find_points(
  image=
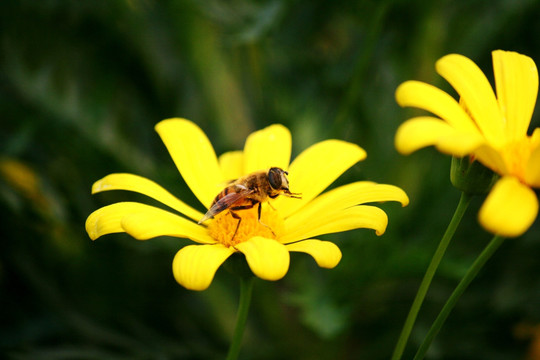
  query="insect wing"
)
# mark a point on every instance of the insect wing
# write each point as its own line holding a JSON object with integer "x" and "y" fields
{"x": 223, "y": 204}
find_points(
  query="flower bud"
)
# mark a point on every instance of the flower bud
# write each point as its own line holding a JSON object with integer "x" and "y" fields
{"x": 470, "y": 176}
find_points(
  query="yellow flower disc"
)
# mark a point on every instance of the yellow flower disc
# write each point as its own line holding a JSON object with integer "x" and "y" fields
{"x": 223, "y": 227}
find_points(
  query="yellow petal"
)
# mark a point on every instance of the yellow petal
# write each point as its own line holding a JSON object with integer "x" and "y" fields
{"x": 107, "y": 220}
{"x": 362, "y": 216}
{"x": 266, "y": 148}
{"x": 459, "y": 144}
{"x": 148, "y": 222}
{"x": 326, "y": 254}
{"x": 194, "y": 157}
{"x": 142, "y": 222}
{"x": 509, "y": 209}
{"x": 420, "y": 132}
{"x": 424, "y": 131}
{"x": 516, "y": 79}
{"x": 476, "y": 92}
{"x": 267, "y": 258}
{"x": 344, "y": 197}
{"x": 194, "y": 266}
{"x": 428, "y": 97}
{"x": 316, "y": 168}
{"x": 232, "y": 165}
{"x": 130, "y": 182}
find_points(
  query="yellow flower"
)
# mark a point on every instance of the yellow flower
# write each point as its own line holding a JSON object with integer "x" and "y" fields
{"x": 289, "y": 224}
{"x": 490, "y": 128}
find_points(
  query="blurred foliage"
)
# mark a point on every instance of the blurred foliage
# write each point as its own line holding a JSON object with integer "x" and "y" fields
{"x": 82, "y": 83}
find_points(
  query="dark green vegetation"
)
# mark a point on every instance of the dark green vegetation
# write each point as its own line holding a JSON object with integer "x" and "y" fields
{"x": 82, "y": 83}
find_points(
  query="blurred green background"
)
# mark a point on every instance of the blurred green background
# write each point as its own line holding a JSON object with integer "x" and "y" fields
{"x": 82, "y": 84}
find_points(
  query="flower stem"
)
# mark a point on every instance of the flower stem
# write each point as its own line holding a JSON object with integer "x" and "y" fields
{"x": 430, "y": 272}
{"x": 486, "y": 254}
{"x": 246, "y": 289}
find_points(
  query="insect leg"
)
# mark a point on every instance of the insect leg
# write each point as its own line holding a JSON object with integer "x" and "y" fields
{"x": 259, "y": 218}
{"x": 236, "y": 216}
{"x": 273, "y": 208}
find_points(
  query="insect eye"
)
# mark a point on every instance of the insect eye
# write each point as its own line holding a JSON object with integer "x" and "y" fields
{"x": 274, "y": 178}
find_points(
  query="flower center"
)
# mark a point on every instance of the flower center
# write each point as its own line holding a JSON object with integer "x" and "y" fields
{"x": 224, "y": 225}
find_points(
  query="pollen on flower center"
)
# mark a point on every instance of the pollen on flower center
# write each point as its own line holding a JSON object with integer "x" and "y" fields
{"x": 223, "y": 226}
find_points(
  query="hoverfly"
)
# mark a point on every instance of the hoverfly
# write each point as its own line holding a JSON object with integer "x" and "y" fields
{"x": 249, "y": 191}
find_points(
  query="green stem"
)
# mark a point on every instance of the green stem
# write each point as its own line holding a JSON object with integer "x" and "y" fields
{"x": 430, "y": 272}
{"x": 486, "y": 254}
{"x": 246, "y": 289}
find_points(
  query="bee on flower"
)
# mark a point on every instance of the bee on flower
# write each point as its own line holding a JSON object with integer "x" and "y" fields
{"x": 250, "y": 208}
{"x": 250, "y": 191}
